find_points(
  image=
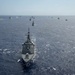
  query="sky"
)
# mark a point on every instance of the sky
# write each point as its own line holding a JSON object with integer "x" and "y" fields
{"x": 37, "y": 7}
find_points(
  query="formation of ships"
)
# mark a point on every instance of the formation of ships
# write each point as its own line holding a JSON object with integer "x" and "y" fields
{"x": 28, "y": 46}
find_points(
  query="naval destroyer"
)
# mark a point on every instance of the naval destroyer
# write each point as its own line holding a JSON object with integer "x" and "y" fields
{"x": 28, "y": 49}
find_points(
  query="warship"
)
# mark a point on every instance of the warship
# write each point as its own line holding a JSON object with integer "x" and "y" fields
{"x": 33, "y": 23}
{"x": 28, "y": 49}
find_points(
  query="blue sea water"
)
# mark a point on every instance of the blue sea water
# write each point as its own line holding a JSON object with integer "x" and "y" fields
{"x": 55, "y": 45}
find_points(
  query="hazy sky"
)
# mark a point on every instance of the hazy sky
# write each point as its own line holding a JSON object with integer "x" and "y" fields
{"x": 37, "y": 7}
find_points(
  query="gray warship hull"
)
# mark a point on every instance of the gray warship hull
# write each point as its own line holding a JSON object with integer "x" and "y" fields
{"x": 28, "y": 49}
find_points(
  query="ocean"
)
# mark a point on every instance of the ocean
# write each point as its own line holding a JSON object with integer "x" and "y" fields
{"x": 54, "y": 38}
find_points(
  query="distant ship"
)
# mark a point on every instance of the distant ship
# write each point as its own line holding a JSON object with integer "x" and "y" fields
{"x": 32, "y": 23}
{"x": 66, "y": 20}
{"x": 58, "y": 18}
{"x": 28, "y": 49}
{"x": 30, "y": 19}
{"x": 10, "y": 17}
